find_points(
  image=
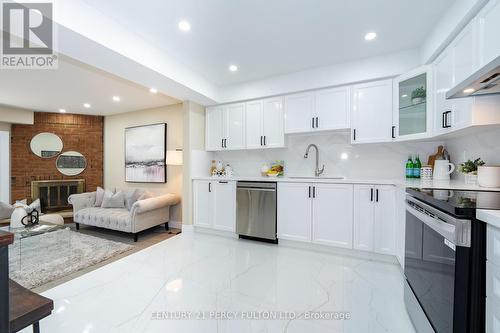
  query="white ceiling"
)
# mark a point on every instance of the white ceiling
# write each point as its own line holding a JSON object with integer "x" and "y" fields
{"x": 72, "y": 85}
{"x": 271, "y": 37}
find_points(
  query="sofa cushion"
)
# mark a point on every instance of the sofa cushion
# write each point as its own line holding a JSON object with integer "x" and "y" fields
{"x": 131, "y": 196}
{"x": 116, "y": 200}
{"x": 110, "y": 218}
{"x": 99, "y": 195}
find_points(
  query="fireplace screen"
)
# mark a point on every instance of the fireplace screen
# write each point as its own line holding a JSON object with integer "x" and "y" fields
{"x": 53, "y": 194}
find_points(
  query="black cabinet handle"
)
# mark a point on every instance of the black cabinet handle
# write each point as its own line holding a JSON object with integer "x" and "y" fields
{"x": 314, "y": 191}
{"x": 222, "y": 182}
{"x": 446, "y": 124}
{"x": 354, "y": 134}
{"x": 265, "y": 144}
{"x": 209, "y": 187}
{"x": 317, "y": 122}
{"x": 312, "y": 119}
{"x": 222, "y": 143}
{"x": 309, "y": 191}
{"x": 371, "y": 194}
{"x": 261, "y": 140}
{"x": 376, "y": 196}
{"x": 393, "y": 132}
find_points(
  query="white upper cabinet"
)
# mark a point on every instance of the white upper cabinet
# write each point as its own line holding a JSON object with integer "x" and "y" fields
{"x": 225, "y": 127}
{"x": 489, "y": 28}
{"x": 320, "y": 110}
{"x": 443, "y": 81}
{"x": 272, "y": 123}
{"x": 413, "y": 105}
{"x": 371, "y": 116}
{"x": 214, "y": 129}
{"x": 332, "y": 109}
{"x": 332, "y": 214}
{"x": 299, "y": 110}
{"x": 235, "y": 126}
{"x": 254, "y": 120}
{"x": 465, "y": 53}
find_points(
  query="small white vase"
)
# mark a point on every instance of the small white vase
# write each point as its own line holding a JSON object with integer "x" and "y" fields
{"x": 470, "y": 179}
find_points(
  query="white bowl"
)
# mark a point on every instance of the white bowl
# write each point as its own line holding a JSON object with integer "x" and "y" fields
{"x": 488, "y": 176}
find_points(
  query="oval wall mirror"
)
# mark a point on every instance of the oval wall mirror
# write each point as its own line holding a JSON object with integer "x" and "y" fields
{"x": 71, "y": 163}
{"x": 46, "y": 145}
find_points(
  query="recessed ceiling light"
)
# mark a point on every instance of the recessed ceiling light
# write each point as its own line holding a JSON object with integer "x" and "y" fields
{"x": 86, "y": 105}
{"x": 233, "y": 68}
{"x": 468, "y": 90}
{"x": 184, "y": 26}
{"x": 116, "y": 98}
{"x": 370, "y": 36}
{"x": 62, "y": 110}
{"x": 153, "y": 90}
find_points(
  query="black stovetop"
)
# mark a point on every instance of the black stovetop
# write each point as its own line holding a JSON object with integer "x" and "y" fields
{"x": 459, "y": 203}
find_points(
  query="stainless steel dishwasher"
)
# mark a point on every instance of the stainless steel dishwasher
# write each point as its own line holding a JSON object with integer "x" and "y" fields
{"x": 256, "y": 211}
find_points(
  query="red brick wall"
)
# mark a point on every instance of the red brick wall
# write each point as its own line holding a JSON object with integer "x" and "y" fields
{"x": 79, "y": 133}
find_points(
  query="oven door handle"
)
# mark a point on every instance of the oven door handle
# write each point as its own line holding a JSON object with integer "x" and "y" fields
{"x": 456, "y": 231}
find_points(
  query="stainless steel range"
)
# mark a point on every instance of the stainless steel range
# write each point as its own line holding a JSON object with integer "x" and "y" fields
{"x": 445, "y": 261}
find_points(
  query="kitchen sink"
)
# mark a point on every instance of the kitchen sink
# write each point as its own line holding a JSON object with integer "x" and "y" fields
{"x": 313, "y": 177}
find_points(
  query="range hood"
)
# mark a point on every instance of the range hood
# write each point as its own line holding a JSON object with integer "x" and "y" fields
{"x": 485, "y": 81}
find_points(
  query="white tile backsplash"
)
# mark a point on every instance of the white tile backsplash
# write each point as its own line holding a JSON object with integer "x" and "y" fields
{"x": 484, "y": 142}
{"x": 340, "y": 157}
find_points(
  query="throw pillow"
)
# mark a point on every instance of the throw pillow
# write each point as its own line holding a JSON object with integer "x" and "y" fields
{"x": 131, "y": 197}
{"x": 99, "y": 195}
{"x": 145, "y": 195}
{"x": 5, "y": 210}
{"x": 116, "y": 200}
{"x": 34, "y": 205}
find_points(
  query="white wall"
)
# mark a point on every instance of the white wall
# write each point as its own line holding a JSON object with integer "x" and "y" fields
{"x": 340, "y": 74}
{"x": 114, "y": 157}
{"x": 11, "y": 115}
{"x": 382, "y": 161}
{"x": 4, "y": 163}
{"x": 194, "y": 140}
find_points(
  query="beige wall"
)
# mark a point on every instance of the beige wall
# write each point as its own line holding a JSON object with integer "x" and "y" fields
{"x": 114, "y": 157}
{"x": 194, "y": 139}
{"x": 16, "y": 116}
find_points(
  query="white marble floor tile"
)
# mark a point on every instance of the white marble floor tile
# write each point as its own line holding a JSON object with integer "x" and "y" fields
{"x": 207, "y": 283}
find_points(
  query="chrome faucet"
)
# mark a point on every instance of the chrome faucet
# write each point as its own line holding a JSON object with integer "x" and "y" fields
{"x": 318, "y": 171}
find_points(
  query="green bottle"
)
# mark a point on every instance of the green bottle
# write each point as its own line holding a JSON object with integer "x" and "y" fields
{"x": 409, "y": 168}
{"x": 416, "y": 168}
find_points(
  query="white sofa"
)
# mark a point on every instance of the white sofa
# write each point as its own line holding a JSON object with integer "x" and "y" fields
{"x": 143, "y": 214}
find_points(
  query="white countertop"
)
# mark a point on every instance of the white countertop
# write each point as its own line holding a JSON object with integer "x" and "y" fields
{"x": 404, "y": 183}
{"x": 489, "y": 216}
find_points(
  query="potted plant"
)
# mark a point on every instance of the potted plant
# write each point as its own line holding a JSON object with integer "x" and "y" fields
{"x": 418, "y": 95}
{"x": 469, "y": 168}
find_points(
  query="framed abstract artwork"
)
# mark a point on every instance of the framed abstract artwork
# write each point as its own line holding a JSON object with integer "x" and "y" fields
{"x": 145, "y": 154}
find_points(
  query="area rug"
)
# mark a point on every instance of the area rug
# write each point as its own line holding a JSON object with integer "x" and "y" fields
{"x": 48, "y": 257}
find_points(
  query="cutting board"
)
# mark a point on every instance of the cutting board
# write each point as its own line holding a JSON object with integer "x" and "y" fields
{"x": 432, "y": 158}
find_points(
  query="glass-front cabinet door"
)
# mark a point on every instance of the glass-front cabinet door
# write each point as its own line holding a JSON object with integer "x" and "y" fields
{"x": 412, "y": 105}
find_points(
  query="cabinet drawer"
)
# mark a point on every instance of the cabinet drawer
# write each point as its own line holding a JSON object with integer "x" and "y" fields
{"x": 492, "y": 316}
{"x": 493, "y": 245}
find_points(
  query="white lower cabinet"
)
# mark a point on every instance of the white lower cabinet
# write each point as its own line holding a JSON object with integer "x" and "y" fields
{"x": 332, "y": 214}
{"x": 214, "y": 204}
{"x": 374, "y": 218}
{"x": 294, "y": 211}
{"x": 318, "y": 213}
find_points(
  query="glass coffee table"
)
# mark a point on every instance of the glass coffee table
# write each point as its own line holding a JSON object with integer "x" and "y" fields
{"x": 38, "y": 244}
